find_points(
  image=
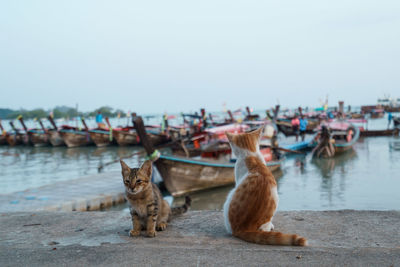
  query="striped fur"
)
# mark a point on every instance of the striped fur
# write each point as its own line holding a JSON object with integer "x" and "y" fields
{"x": 149, "y": 210}
{"x": 250, "y": 206}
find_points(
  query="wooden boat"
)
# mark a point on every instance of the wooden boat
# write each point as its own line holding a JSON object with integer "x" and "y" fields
{"x": 184, "y": 175}
{"x": 74, "y": 137}
{"x": 102, "y": 137}
{"x": 17, "y": 137}
{"x": 3, "y": 134}
{"x": 334, "y": 138}
{"x": 38, "y": 137}
{"x": 377, "y": 113}
{"x": 54, "y": 136}
{"x": 126, "y": 136}
{"x": 388, "y": 132}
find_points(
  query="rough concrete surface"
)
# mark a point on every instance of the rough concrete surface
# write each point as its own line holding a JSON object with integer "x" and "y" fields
{"x": 88, "y": 193}
{"x": 198, "y": 238}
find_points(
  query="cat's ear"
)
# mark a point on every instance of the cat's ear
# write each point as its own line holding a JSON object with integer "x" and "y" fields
{"x": 259, "y": 131}
{"x": 146, "y": 168}
{"x": 229, "y": 135}
{"x": 125, "y": 168}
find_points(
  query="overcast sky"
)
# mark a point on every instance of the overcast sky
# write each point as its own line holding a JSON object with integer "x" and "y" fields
{"x": 168, "y": 55}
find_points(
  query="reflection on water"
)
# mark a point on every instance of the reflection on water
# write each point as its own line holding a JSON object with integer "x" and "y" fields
{"x": 364, "y": 178}
{"x": 27, "y": 167}
{"x": 340, "y": 162}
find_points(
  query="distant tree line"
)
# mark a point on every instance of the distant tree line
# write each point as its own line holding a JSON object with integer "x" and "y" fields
{"x": 58, "y": 112}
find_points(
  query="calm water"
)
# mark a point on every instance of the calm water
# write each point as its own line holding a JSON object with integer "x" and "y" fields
{"x": 366, "y": 178}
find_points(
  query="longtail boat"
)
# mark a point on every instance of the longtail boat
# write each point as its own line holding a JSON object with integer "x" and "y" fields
{"x": 74, "y": 137}
{"x": 17, "y": 137}
{"x": 184, "y": 175}
{"x": 101, "y": 137}
{"x": 126, "y": 136}
{"x": 334, "y": 138}
{"x": 388, "y": 132}
{"x": 37, "y": 137}
{"x": 54, "y": 136}
{"x": 3, "y": 134}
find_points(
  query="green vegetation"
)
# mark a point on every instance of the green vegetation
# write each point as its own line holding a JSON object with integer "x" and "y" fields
{"x": 58, "y": 112}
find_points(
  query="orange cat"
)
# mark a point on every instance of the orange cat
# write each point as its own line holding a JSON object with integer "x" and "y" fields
{"x": 250, "y": 206}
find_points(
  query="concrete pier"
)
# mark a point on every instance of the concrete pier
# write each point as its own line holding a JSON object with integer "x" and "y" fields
{"x": 88, "y": 193}
{"x": 198, "y": 238}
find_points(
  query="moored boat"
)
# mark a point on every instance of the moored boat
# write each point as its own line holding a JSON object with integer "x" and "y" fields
{"x": 102, "y": 137}
{"x": 388, "y": 132}
{"x": 38, "y": 137}
{"x": 74, "y": 137}
{"x": 334, "y": 138}
{"x": 126, "y": 136}
{"x": 54, "y": 135}
{"x": 182, "y": 175}
{"x": 3, "y": 134}
{"x": 55, "y": 138}
{"x": 17, "y": 137}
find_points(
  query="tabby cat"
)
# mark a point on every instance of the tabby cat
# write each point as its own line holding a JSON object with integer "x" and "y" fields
{"x": 250, "y": 206}
{"x": 148, "y": 209}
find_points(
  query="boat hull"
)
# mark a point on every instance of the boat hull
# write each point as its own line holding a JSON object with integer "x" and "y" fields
{"x": 76, "y": 138}
{"x": 101, "y": 138}
{"x": 17, "y": 139}
{"x": 126, "y": 138}
{"x": 391, "y": 132}
{"x": 3, "y": 140}
{"x": 39, "y": 139}
{"x": 55, "y": 138}
{"x": 182, "y": 176}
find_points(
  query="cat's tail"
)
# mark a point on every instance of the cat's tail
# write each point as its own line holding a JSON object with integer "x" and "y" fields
{"x": 271, "y": 238}
{"x": 184, "y": 208}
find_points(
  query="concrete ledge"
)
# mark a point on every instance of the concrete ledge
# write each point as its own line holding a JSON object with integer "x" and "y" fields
{"x": 89, "y": 193}
{"x": 198, "y": 238}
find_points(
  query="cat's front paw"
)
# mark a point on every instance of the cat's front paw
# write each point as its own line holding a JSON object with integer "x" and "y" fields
{"x": 133, "y": 233}
{"x": 151, "y": 233}
{"x": 161, "y": 227}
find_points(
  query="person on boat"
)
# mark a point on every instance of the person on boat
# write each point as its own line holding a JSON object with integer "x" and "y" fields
{"x": 303, "y": 127}
{"x": 295, "y": 126}
{"x": 390, "y": 118}
{"x": 99, "y": 120}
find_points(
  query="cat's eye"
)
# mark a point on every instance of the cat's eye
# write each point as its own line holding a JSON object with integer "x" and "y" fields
{"x": 139, "y": 181}
{"x": 126, "y": 182}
